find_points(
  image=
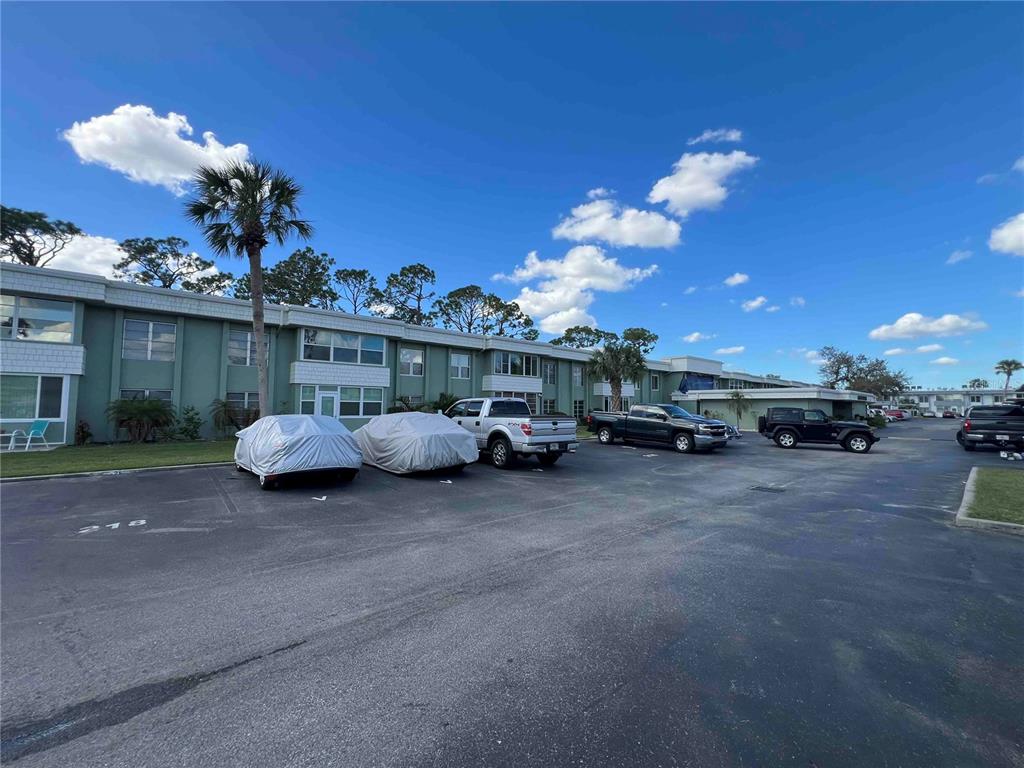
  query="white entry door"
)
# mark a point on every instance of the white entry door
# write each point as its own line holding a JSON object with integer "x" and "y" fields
{"x": 327, "y": 404}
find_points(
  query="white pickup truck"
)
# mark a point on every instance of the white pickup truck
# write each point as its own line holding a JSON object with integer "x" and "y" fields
{"x": 504, "y": 427}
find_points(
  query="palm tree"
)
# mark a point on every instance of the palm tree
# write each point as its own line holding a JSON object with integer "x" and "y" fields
{"x": 1007, "y": 368}
{"x": 739, "y": 403}
{"x": 977, "y": 384}
{"x": 617, "y": 362}
{"x": 241, "y": 208}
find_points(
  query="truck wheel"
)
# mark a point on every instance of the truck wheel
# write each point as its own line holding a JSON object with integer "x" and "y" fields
{"x": 605, "y": 436}
{"x": 786, "y": 439}
{"x": 267, "y": 484}
{"x": 683, "y": 442}
{"x": 548, "y": 459}
{"x": 501, "y": 453}
{"x": 857, "y": 444}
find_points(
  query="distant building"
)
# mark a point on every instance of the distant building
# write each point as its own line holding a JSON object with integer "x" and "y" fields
{"x": 956, "y": 400}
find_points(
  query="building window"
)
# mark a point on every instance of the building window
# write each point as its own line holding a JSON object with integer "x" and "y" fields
{"x": 36, "y": 319}
{"x": 145, "y": 340}
{"x": 516, "y": 364}
{"x": 245, "y": 406}
{"x": 550, "y": 373}
{"x": 342, "y": 347}
{"x": 529, "y": 397}
{"x": 410, "y": 362}
{"x": 655, "y": 382}
{"x": 31, "y": 397}
{"x": 975, "y": 398}
{"x": 549, "y": 406}
{"x": 242, "y": 347}
{"x": 146, "y": 394}
{"x": 458, "y": 365}
{"x": 579, "y": 409}
{"x": 361, "y": 401}
{"x": 577, "y": 375}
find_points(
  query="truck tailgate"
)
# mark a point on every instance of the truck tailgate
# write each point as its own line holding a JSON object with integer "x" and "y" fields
{"x": 563, "y": 428}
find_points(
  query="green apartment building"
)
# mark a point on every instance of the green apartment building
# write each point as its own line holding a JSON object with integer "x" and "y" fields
{"x": 71, "y": 343}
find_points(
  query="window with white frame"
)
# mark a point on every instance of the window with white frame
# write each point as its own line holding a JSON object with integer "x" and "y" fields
{"x": 146, "y": 394}
{"x": 516, "y": 364}
{"x": 410, "y": 362}
{"x": 577, "y": 375}
{"x": 361, "y": 401}
{"x": 148, "y": 340}
{"x": 549, "y": 406}
{"x": 36, "y": 319}
{"x": 458, "y": 365}
{"x": 655, "y": 382}
{"x": 242, "y": 347}
{"x": 31, "y": 397}
{"x": 550, "y": 372}
{"x": 579, "y": 409}
{"x": 531, "y": 398}
{"x": 342, "y": 347}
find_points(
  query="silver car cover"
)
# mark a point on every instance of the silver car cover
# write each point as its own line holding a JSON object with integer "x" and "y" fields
{"x": 415, "y": 442}
{"x": 276, "y": 445}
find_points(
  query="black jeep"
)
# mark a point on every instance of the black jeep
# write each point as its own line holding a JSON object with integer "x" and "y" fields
{"x": 789, "y": 426}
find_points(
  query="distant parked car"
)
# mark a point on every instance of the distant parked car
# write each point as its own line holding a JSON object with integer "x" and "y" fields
{"x": 731, "y": 433}
{"x": 897, "y": 414}
{"x": 286, "y": 445}
{"x": 948, "y": 414}
{"x": 929, "y": 414}
{"x": 789, "y": 426}
{"x": 416, "y": 442}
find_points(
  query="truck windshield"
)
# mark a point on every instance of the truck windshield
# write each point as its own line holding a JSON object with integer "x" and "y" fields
{"x": 676, "y": 412}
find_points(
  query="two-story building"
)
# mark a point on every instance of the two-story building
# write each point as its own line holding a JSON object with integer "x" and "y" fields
{"x": 71, "y": 343}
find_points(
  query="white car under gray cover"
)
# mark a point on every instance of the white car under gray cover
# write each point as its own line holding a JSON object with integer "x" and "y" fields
{"x": 415, "y": 442}
{"x": 279, "y": 445}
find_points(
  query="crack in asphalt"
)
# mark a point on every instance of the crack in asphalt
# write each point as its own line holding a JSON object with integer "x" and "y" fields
{"x": 25, "y": 738}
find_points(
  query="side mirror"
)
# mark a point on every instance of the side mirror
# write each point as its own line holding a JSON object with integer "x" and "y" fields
{"x": 663, "y": 417}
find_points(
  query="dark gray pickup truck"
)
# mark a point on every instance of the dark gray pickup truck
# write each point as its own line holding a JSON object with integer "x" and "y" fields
{"x": 1001, "y": 424}
{"x": 662, "y": 423}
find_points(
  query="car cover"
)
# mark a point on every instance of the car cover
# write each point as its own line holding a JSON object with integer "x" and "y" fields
{"x": 415, "y": 442}
{"x": 276, "y": 445}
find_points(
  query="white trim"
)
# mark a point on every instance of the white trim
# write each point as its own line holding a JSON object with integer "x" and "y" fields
{"x": 502, "y": 382}
{"x": 338, "y": 374}
{"x": 48, "y": 358}
{"x": 604, "y": 389}
{"x": 778, "y": 393}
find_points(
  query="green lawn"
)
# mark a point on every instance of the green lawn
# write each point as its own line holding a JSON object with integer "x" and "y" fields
{"x": 999, "y": 495}
{"x": 582, "y": 431}
{"x": 97, "y": 458}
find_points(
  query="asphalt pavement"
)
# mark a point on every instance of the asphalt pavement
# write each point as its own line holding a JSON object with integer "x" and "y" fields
{"x": 628, "y": 607}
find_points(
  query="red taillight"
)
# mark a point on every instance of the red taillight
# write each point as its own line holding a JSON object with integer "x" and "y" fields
{"x": 967, "y": 425}
{"x": 527, "y": 428}
{"x": 590, "y": 420}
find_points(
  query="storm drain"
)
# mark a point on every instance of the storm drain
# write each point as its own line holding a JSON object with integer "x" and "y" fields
{"x": 767, "y": 489}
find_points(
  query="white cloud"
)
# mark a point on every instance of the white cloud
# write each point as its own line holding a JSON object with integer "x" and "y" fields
{"x": 988, "y": 178}
{"x": 567, "y": 285}
{"x": 773, "y": 308}
{"x": 1018, "y": 164}
{"x": 599, "y": 192}
{"x": 147, "y": 148}
{"x": 752, "y": 304}
{"x": 89, "y": 253}
{"x": 1008, "y": 237}
{"x": 605, "y": 220}
{"x": 957, "y": 256}
{"x": 737, "y": 278}
{"x": 903, "y": 351}
{"x": 813, "y": 357}
{"x": 693, "y": 338}
{"x": 945, "y": 361}
{"x": 929, "y": 348}
{"x": 717, "y": 134}
{"x": 1020, "y": 294}
{"x": 689, "y": 290}
{"x": 798, "y": 301}
{"x": 914, "y": 324}
{"x": 698, "y": 181}
{"x": 895, "y": 351}
{"x": 730, "y": 350}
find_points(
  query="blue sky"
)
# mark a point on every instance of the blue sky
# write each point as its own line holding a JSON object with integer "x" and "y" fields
{"x": 875, "y": 141}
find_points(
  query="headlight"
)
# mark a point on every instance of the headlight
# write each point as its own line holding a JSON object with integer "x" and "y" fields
{"x": 704, "y": 428}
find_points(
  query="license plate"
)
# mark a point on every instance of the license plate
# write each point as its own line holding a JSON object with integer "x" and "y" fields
{"x": 1002, "y": 437}
{"x": 554, "y": 447}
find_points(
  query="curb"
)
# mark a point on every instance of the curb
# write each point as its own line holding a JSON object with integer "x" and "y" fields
{"x": 963, "y": 521}
{"x": 126, "y": 471}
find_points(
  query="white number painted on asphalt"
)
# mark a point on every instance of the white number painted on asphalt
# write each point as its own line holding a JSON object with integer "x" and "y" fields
{"x": 112, "y": 526}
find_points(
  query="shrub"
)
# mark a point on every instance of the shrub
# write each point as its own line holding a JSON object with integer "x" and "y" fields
{"x": 876, "y": 421}
{"x": 140, "y": 418}
{"x": 445, "y": 400}
{"x": 189, "y": 424}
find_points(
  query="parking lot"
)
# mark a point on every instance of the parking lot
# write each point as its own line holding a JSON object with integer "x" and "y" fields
{"x": 629, "y": 606}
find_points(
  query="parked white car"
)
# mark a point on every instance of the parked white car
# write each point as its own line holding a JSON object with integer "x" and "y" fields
{"x": 284, "y": 445}
{"x": 415, "y": 442}
{"x": 505, "y": 427}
